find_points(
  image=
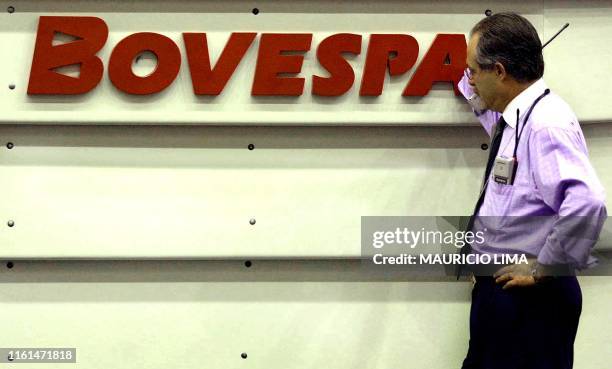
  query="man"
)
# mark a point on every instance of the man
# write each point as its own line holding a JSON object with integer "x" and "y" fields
{"x": 541, "y": 198}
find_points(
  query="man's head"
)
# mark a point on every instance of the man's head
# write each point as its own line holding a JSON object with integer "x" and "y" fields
{"x": 504, "y": 57}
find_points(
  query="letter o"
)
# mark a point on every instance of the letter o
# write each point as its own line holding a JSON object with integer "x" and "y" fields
{"x": 120, "y": 64}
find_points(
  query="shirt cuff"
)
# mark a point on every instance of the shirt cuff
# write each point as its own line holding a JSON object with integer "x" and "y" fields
{"x": 464, "y": 87}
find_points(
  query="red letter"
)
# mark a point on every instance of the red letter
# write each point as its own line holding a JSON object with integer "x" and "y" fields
{"x": 406, "y": 49}
{"x": 329, "y": 54}
{"x": 270, "y": 62}
{"x": 120, "y": 64}
{"x": 207, "y": 80}
{"x": 433, "y": 68}
{"x": 91, "y": 33}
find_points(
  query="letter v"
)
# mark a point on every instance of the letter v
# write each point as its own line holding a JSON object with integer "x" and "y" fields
{"x": 209, "y": 80}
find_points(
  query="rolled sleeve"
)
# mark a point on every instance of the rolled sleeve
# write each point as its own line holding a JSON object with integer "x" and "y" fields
{"x": 568, "y": 185}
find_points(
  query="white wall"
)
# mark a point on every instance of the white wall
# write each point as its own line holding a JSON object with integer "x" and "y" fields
{"x": 90, "y": 192}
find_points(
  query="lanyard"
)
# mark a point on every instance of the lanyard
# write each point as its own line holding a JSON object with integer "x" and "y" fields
{"x": 518, "y": 135}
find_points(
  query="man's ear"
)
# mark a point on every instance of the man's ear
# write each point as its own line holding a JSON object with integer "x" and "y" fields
{"x": 500, "y": 70}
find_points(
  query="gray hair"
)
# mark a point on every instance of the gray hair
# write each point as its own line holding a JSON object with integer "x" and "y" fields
{"x": 511, "y": 40}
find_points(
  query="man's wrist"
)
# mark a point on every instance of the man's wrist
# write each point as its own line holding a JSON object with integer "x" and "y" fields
{"x": 540, "y": 272}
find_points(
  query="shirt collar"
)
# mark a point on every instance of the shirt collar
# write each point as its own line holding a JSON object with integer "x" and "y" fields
{"x": 523, "y": 102}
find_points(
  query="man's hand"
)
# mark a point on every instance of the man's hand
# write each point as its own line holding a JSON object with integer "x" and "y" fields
{"x": 517, "y": 275}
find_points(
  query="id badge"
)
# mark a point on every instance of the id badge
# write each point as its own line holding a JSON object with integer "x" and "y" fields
{"x": 504, "y": 170}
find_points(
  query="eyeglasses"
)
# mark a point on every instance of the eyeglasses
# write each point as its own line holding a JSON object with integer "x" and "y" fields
{"x": 469, "y": 73}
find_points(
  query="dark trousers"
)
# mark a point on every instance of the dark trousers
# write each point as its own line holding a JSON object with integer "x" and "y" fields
{"x": 523, "y": 327}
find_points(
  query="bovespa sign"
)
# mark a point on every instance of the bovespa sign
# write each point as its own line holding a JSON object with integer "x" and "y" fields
{"x": 279, "y": 54}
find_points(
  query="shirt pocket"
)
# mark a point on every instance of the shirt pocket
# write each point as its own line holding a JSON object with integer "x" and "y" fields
{"x": 501, "y": 190}
{"x": 515, "y": 200}
{"x": 499, "y": 201}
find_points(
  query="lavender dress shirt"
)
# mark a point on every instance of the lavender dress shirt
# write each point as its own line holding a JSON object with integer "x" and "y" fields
{"x": 555, "y": 209}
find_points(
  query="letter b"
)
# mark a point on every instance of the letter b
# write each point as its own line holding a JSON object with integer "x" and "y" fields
{"x": 91, "y": 33}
